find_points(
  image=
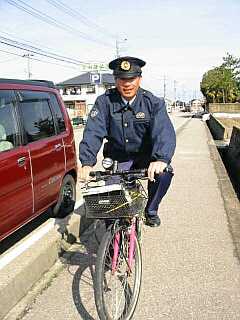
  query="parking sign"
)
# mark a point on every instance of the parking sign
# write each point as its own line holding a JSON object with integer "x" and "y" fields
{"x": 95, "y": 78}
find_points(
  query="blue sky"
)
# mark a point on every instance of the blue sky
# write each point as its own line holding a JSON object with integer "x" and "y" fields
{"x": 178, "y": 39}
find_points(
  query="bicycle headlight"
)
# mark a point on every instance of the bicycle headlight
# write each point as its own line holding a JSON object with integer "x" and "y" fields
{"x": 107, "y": 163}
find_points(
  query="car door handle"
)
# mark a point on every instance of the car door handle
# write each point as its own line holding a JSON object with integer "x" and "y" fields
{"x": 57, "y": 146}
{"x": 21, "y": 161}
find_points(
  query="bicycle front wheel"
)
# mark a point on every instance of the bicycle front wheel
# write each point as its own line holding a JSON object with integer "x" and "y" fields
{"x": 117, "y": 289}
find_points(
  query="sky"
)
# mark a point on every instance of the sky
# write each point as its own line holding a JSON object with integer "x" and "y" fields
{"x": 179, "y": 39}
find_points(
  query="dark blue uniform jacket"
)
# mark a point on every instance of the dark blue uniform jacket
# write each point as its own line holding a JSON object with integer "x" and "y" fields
{"x": 144, "y": 129}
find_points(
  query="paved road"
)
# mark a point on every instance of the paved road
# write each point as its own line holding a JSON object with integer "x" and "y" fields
{"x": 190, "y": 271}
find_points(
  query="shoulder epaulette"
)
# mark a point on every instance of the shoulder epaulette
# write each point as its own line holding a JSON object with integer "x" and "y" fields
{"x": 110, "y": 91}
{"x": 150, "y": 95}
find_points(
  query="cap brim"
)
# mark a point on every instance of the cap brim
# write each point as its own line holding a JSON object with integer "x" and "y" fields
{"x": 127, "y": 75}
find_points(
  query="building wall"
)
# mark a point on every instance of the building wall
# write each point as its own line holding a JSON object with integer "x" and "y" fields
{"x": 224, "y": 107}
{"x": 89, "y": 98}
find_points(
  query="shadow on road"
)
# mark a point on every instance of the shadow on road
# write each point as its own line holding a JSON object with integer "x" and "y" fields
{"x": 81, "y": 265}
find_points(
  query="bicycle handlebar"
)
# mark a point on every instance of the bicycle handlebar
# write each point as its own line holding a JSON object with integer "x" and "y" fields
{"x": 136, "y": 173}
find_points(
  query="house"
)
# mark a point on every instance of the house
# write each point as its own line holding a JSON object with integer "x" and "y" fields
{"x": 80, "y": 93}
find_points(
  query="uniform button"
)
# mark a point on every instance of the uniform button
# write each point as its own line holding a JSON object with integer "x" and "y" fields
{"x": 126, "y": 140}
{"x": 125, "y": 124}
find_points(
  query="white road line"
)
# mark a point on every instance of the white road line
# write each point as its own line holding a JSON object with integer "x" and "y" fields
{"x": 14, "y": 253}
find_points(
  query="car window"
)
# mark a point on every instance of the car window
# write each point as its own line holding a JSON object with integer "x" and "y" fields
{"x": 37, "y": 117}
{"x": 9, "y": 130}
{"x": 57, "y": 112}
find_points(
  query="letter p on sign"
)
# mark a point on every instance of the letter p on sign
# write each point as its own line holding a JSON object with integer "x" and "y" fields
{"x": 95, "y": 78}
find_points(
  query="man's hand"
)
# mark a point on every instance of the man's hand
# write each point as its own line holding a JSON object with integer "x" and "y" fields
{"x": 155, "y": 167}
{"x": 83, "y": 173}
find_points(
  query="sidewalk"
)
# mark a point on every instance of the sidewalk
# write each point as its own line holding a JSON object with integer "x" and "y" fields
{"x": 194, "y": 273}
{"x": 190, "y": 270}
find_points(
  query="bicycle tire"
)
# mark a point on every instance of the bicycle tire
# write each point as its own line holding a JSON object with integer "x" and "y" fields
{"x": 102, "y": 267}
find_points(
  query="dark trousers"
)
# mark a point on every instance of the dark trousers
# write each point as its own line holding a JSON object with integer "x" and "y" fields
{"x": 156, "y": 189}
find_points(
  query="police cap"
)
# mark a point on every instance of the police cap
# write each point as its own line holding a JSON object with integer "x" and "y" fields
{"x": 127, "y": 67}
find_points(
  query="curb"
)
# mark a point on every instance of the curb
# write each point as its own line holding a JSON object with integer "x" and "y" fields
{"x": 23, "y": 278}
{"x": 18, "y": 276}
{"x": 231, "y": 202}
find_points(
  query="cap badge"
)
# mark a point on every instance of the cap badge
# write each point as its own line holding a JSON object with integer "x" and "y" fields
{"x": 140, "y": 115}
{"x": 125, "y": 65}
{"x": 93, "y": 113}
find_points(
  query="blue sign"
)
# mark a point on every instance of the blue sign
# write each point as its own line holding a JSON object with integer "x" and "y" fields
{"x": 95, "y": 78}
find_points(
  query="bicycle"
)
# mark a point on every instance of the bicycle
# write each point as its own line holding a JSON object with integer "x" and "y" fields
{"x": 118, "y": 272}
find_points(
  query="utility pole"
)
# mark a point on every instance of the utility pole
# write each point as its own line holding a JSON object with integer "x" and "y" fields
{"x": 175, "y": 93}
{"x": 164, "y": 86}
{"x": 28, "y": 55}
{"x": 117, "y": 49}
{"x": 118, "y": 42}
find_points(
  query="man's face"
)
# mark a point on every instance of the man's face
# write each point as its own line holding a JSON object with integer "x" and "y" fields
{"x": 128, "y": 87}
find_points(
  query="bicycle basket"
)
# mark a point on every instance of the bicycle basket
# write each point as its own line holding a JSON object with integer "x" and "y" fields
{"x": 112, "y": 201}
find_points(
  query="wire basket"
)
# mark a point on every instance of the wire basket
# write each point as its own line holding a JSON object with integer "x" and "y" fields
{"x": 114, "y": 203}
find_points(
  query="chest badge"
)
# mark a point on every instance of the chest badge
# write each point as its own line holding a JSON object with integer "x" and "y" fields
{"x": 140, "y": 115}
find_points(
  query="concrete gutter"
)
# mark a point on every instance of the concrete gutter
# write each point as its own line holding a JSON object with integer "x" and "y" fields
{"x": 22, "y": 277}
{"x": 231, "y": 202}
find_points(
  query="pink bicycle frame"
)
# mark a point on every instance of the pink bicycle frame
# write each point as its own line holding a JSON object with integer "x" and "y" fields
{"x": 131, "y": 249}
{"x": 115, "y": 252}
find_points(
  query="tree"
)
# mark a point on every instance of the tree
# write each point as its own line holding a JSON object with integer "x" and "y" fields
{"x": 222, "y": 84}
{"x": 232, "y": 63}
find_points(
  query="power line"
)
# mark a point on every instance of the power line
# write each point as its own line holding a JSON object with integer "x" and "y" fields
{"x": 32, "y": 45}
{"x": 33, "y": 49}
{"x": 35, "y": 45}
{"x": 35, "y": 59}
{"x": 15, "y": 54}
{"x": 79, "y": 16}
{"x": 38, "y": 51}
{"x": 26, "y": 41}
{"x": 48, "y": 19}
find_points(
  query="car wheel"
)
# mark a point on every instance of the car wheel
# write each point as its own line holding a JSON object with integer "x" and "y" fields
{"x": 66, "y": 199}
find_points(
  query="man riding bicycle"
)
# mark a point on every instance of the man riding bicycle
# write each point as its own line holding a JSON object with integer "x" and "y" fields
{"x": 138, "y": 131}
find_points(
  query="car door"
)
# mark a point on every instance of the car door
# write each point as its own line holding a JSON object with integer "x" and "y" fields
{"x": 16, "y": 199}
{"x": 45, "y": 147}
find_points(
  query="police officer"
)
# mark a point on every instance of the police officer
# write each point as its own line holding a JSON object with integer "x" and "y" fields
{"x": 138, "y": 131}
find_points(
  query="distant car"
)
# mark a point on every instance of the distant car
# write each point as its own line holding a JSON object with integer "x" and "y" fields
{"x": 199, "y": 114}
{"x": 38, "y": 167}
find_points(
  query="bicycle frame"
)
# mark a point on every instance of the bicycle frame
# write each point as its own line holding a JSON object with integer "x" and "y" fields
{"x": 132, "y": 239}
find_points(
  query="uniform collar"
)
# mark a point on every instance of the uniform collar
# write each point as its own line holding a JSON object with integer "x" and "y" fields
{"x": 126, "y": 101}
{"x": 120, "y": 104}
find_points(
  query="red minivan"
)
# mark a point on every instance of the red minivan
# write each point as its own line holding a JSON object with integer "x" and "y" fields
{"x": 38, "y": 167}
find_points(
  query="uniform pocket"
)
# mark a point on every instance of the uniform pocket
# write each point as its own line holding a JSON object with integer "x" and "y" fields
{"x": 141, "y": 127}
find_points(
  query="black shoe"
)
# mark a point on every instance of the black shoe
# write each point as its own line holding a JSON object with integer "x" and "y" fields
{"x": 153, "y": 221}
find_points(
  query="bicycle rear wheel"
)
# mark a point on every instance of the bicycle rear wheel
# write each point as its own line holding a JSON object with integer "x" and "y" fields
{"x": 117, "y": 292}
